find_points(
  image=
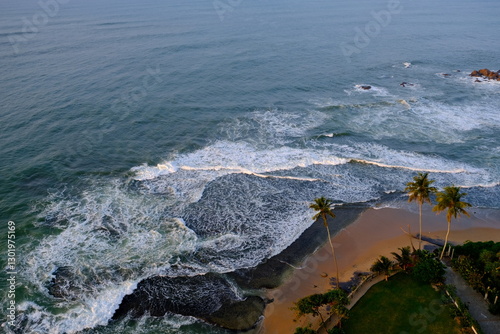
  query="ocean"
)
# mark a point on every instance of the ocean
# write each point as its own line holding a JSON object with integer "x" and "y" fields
{"x": 143, "y": 138}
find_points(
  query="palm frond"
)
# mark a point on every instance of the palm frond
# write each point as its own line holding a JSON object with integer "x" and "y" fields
{"x": 323, "y": 206}
{"x": 450, "y": 199}
{"x": 420, "y": 189}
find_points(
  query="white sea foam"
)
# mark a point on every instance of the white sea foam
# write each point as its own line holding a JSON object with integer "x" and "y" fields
{"x": 425, "y": 121}
{"x": 93, "y": 311}
{"x": 225, "y": 157}
{"x": 232, "y": 203}
{"x": 260, "y": 128}
{"x": 110, "y": 239}
{"x": 463, "y": 117}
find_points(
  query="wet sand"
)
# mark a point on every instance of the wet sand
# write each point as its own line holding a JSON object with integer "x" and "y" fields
{"x": 376, "y": 232}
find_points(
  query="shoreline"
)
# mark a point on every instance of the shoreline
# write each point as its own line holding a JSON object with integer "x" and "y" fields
{"x": 276, "y": 270}
{"x": 375, "y": 232}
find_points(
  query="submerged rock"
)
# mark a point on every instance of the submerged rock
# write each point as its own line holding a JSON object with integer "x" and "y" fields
{"x": 64, "y": 283}
{"x": 404, "y": 84}
{"x": 208, "y": 297}
{"x": 240, "y": 315}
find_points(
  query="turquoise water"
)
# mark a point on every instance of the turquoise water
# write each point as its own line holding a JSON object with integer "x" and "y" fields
{"x": 177, "y": 138}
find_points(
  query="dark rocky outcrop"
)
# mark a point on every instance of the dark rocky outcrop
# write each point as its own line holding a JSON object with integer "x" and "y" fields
{"x": 486, "y": 74}
{"x": 64, "y": 283}
{"x": 208, "y": 297}
{"x": 240, "y": 316}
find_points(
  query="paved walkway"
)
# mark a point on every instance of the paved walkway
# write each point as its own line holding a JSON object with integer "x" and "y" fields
{"x": 478, "y": 307}
{"x": 333, "y": 320}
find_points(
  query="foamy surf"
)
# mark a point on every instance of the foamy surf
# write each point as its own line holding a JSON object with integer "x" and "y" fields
{"x": 177, "y": 218}
{"x": 125, "y": 230}
{"x": 92, "y": 312}
{"x": 225, "y": 157}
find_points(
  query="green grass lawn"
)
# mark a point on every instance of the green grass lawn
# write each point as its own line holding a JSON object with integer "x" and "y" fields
{"x": 400, "y": 306}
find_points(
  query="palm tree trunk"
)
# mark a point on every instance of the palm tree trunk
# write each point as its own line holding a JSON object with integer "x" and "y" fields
{"x": 445, "y": 240}
{"x": 333, "y": 253}
{"x": 420, "y": 224}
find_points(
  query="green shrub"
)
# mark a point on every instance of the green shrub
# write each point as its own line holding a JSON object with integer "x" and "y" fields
{"x": 304, "y": 330}
{"x": 429, "y": 270}
{"x": 494, "y": 308}
{"x": 336, "y": 300}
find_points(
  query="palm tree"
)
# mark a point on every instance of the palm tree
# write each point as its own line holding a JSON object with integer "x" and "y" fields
{"x": 404, "y": 259}
{"x": 382, "y": 266}
{"x": 450, "y": 200}
{"x": 420, "y": 190}
{"x": 323, "y": 207}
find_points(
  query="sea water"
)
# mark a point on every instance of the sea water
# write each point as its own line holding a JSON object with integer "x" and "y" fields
{"x": 183, "y": 137}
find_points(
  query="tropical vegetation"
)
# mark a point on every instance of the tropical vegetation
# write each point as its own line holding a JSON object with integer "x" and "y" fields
{"x": 383, "y": 266}
{"x": 403, "y": 260}
{"x": 324, "y": 208}
{"x": 411, "y": 288}
{"x": 333, "y": 302}
{"x": 479, "y": 264}
{"x": 429, "y": 270}
{"x": 450, "y": 200}
{"x": 304, "y": 330}
{"x": 422, "y": 264}
{"x": 420, "y": 191}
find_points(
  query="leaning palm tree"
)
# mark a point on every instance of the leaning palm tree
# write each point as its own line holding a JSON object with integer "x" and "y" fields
{"x": 450, "y": 200}
{"x": 420, "y": 190}
{"x": 323, "y": 206}
{"x": 382, "y": 266}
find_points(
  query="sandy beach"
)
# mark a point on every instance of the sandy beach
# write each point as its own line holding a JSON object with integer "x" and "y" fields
{"x": 376, "y": 232}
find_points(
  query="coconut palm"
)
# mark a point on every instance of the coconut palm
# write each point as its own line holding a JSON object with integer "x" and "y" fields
{"x": 420, "y": 190}
{"x": 450, "y": 200}
{"x": 323, "y": 206}
{"x": 404, "y": 259}
{"x": 382, "y": 266}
